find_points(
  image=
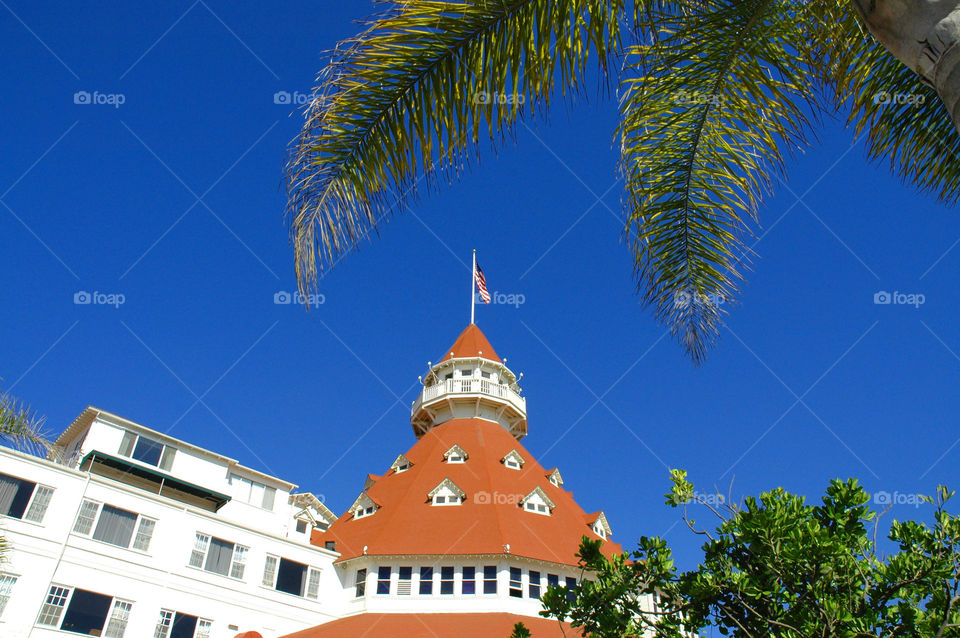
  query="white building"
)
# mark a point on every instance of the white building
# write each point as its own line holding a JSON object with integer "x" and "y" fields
{"x": 138, "y": 534}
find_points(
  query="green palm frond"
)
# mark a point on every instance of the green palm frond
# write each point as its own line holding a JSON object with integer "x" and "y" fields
{"x": 409, "y": 98}
{"x": 906, "y": 123}
{"x": 708, "y": 108}
{"x": 20, "y": 428}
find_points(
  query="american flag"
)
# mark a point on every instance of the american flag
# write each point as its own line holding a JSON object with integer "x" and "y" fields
{"x": 482, "y": 284}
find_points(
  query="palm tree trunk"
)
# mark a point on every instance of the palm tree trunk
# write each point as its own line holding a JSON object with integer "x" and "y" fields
{"x": 925, "y": 36}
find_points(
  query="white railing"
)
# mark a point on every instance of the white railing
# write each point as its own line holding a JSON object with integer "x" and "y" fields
{"x": 459, "y": 387}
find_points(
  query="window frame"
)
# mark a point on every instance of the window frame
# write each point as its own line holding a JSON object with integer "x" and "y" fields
{"x": 426, "y": 583}
{"x": 360, "y": 583}
{"x": 162, "y": 630}
{"x": 7, "y": 583}
{"x": 238, "y": 557}
{"x": 383, "y": 583}
{"x": 489, "y": 584}
{"x": 465, "y": 580}
{"x": 29, "y": 512}
{"x": 62, "y": 597}
{"x": 447, "y": 582}
{"x": 515, "y": 586}
{"x": 534, "y": 584}
{"x": 238, "y": 482}
{"x": 135, "y": 536}
{"x": 308, "y": 582}
{"x": 128, "y": 447}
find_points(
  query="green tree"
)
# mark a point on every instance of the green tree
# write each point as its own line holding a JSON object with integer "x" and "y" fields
{"x": 776, "y": 566}
{"x": 712, "y": 95}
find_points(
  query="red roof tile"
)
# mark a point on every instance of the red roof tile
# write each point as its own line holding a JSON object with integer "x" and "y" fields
{"x": 489, "y": 518}
{"x": 483, "y": 625}
{"x": 471, "y": 343}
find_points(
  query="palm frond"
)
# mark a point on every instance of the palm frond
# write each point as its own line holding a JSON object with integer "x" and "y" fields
{"x": 709, "y": 105}
{"x": 906, "y": 123}
{"x": 20, "y": 428}
{"x": 410, "y": 97}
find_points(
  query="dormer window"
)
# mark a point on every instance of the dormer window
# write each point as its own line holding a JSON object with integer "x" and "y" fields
{"x": 554, "y": 477}
{"x": 402, "y": 464}
{"x": 456, "y": 454}
{"x": 513, "y": 460}
{"x": 364, "y": 506}
{"x": 598, "y": 523}
{"x": 446, "y": 493}
{"x": 147, "y": 450}
{"x": 538, "y": 502}
{"x": 466, "y": 373}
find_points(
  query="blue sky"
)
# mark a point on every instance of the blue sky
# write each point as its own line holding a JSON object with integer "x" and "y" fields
{"x": 173, "y": 200}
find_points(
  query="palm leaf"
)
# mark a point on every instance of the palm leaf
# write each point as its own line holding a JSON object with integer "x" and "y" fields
{"x": 709, "y": 104}
{"x": 20, "y": 428}
{"x": 409, "y": 99}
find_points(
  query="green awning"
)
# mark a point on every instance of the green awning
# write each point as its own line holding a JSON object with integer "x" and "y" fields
{"x": 152, "y": 480}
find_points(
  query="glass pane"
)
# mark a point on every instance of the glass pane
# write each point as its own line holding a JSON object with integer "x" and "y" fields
{"x": 41, "y": 500}
{"x": 6, "y": 587}
{"x": 115, "y": 526}
{"x": 163, "y": 624}
{"x": 426, "y": 580}
{"x": 86, "y": 517}
{"x": 148, "y": 451}
{"x": 166, "y": 461}
{"x": 203, "y": 628}
{"x": 183, "y": 626}
{"x": 14, "y": 495}
{"x": 126, "y": 445}
{"x": 118, "y": 619}
{"x": 269, "y": 494}
{"x": 313, "y": 584}
{"x": 144, "y": 534}
{"x": 270, "y": 571}
{"x": 87, "y": 613}
{"x": 219, "y": 556}
{"x": 291, "y": 577}
{"x": 383, "y": 580}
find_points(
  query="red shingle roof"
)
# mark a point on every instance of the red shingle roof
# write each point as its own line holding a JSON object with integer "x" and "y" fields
{"x": 489, "y": 518}
{"x": 483, "y": 625}
{"x": 471, "y": 343}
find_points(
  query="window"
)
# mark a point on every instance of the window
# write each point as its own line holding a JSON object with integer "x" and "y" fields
{"x": 253, "y": 493}
{"x": 534, "y": 584}
{"x": 446, "y": 493}
{"x": 218, "y": 556}
{"x": 469, "y": 585}
{"x": 404, "y": 584}
{"x": 490, "y": 579}
{"x": 516, "y": 586}
{"x": 455, "y": 458}
{"x": 361, "y": 511}
{"x": 147, "y": 451}
{"x": 538, "y": 501}
{"x": 23, "y": 499}
{"x": 571, "y": 585}
{"x": 426, "y": 581}
{"x": 446, "y": 580}
{"x": 456, "y": 454}
{"x": 291, "y": 577}
{"x": 87, "y": 612}
{"x": 485, "y": 375}
{"x": 173, "y": 624}
{"x": 6, "y": 588}
{"x": 115, "y": 526}
{"x": 553, "y": 580}
{"x": 466, "y": 373}
{"x": 540, "y": 508}
{"x": 360, "y": 584}
{"x": 301, "y": 527}
{"x": 383, "y": 580}
{"x": 512, "y": 463}
{"x": 513, "y": 460}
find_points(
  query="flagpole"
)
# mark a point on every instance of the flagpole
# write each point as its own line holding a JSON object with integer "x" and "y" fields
{"x": 473, "y": 282}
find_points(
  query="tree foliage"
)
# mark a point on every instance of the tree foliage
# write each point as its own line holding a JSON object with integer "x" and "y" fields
{"x": 713, "y": 96}
{"x": 777, "y": 566}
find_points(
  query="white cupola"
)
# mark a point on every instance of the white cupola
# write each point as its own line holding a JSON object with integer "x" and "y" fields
{"x": 470, "y": 382}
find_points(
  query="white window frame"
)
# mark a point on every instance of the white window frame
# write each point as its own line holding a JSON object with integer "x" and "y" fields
{"x": 143, "y": 523}
{"x": 269, "y": 494}
{"x": 58, "y": 599}
{"x": 167, "y": 454}
{"x": 7, "y": 583}
{"x": 36, "y": 507}
{"x": 271, "y": 571}
{"x": 201, "y": 547}
{"x": 165, "y": 624}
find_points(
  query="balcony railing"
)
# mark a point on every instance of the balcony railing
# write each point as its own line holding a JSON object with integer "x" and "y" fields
{"x": 470, "y": 387}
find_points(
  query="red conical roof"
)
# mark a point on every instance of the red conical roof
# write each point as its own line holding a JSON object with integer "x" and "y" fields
{"x": 490, "y": 517}
{"x": 471, "y": 343}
